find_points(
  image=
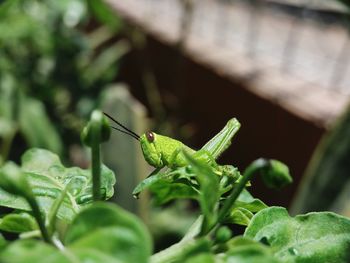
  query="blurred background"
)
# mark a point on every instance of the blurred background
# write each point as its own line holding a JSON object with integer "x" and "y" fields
{"x": 182, "y": 68}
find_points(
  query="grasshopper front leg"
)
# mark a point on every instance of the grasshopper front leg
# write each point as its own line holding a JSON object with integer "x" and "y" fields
{"x": 175, "y": 158}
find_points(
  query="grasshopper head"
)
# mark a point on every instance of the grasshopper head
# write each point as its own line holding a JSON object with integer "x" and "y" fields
{"x": 151, "y": 154}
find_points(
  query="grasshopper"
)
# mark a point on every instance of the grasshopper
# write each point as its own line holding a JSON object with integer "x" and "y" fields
{"x": 162, "y": 151}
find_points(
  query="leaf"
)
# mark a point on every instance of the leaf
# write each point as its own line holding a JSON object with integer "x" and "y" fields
{"x": 94, "y": 256}
{"x": 48, "y": 178}
{"x": 13, "y": 181}
{"x": 244, "y": 250}
{"x": 169, "y": 176}
{"x": 18, "y": 223}
{"x": 313, "y": 237}
{"x": 3, "y": 242}
{"x": 25, "y": 251}
{"x": 105, "y": 61}
{"x": 247, "y": 201}
{"x": 104, "y": 14}
{"x": 146, "y": 183}
{"x": 110, "y": 230}
{"x": 36, "y": 126}
{"x": 209, "y": 189}
{"x": 239, "y": 216}
{"x": 7, "y": 128}
{"x": 166, "y": 190}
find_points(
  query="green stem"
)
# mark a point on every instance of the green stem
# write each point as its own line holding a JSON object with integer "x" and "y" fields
{"x": 229, "y": 202}
{"x": 194, "y": 229}
{"x": 39, "y": 219}
{"x": 96, "y": 161}
{"x": 30, "y": 234}
{"x": 6, "y": 146}
{"x": 54, "y": 210}
{"x": 176, "y": 252}
{"x": 248, "y": 173}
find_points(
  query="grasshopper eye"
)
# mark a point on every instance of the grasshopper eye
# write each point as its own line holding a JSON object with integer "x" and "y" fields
{"x": 150, "y": 136}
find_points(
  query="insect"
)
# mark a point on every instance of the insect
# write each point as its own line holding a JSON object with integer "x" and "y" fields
{"x": 162, "y": 151}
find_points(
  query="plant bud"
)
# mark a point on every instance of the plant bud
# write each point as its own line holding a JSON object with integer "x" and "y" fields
{"x": 97, "y": 129}
{"x": 276, "y": 174}
{"x": 223, "y": 234}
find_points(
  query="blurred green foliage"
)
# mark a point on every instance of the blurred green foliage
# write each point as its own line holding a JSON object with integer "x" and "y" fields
{"x": 55, "y": 58}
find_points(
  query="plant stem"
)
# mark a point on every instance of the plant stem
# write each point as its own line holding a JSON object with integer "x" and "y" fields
{"x": 169, "y": 254}
{"x": 177, "y": 251}
{"x": 248, "y": 173}
{"x": 6, "y": 146}
{"x": 96, "y": 162}
{"x": 194, "y": 229}
{"x": 96, "y": 131}
{"x": 39, "y": 219}
{"x": 72, "y": 258}
{"x": 30, "y": 234}
{"x": 54, "y": 210}
{"x": 229, "y": 202}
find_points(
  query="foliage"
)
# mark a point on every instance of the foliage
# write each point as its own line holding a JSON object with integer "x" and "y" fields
{"x": 104, "y": 232}
{"x": 52, "y": 69}
{"x": 48, "y": 179}
{"x": 314, "y": 237}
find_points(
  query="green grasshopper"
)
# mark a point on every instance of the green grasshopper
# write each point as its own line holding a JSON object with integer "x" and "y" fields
{"x": 162, "y": 151}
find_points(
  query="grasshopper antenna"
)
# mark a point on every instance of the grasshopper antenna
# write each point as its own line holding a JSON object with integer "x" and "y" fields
{"x": 126, "y": 130}
{"x": 132, "y": 135}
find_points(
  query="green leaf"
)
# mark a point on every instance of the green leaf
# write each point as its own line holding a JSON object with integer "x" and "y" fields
{"x": 146, "y": 183}
{"x": 110, "y": 230}
{"x": 48, "y": 178}
{"x": 94, "y": 256}
{"x": 25, "y": 251}
{"x": 36, "y": 127}
{"x": 7, "y": 127}
{"x": 239, "y": 216}
{"x": 105, "y": 61}
{"x": 313, "y": 237}
{"x": 104, "y": 14}
{"x": 3, "y": 242}
{"x": 165, "y": 190}
{"x": 18, "y": 223}
{"x": 243, "y": 250}
{"x": 13, "y": 181}
{"x": 247, "y": 201}
{"x": 159, "y": 178}
{"x": 209, "y": 189}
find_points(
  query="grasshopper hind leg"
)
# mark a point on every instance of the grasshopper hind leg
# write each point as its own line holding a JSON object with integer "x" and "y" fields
{"x": 205, "y": 156}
